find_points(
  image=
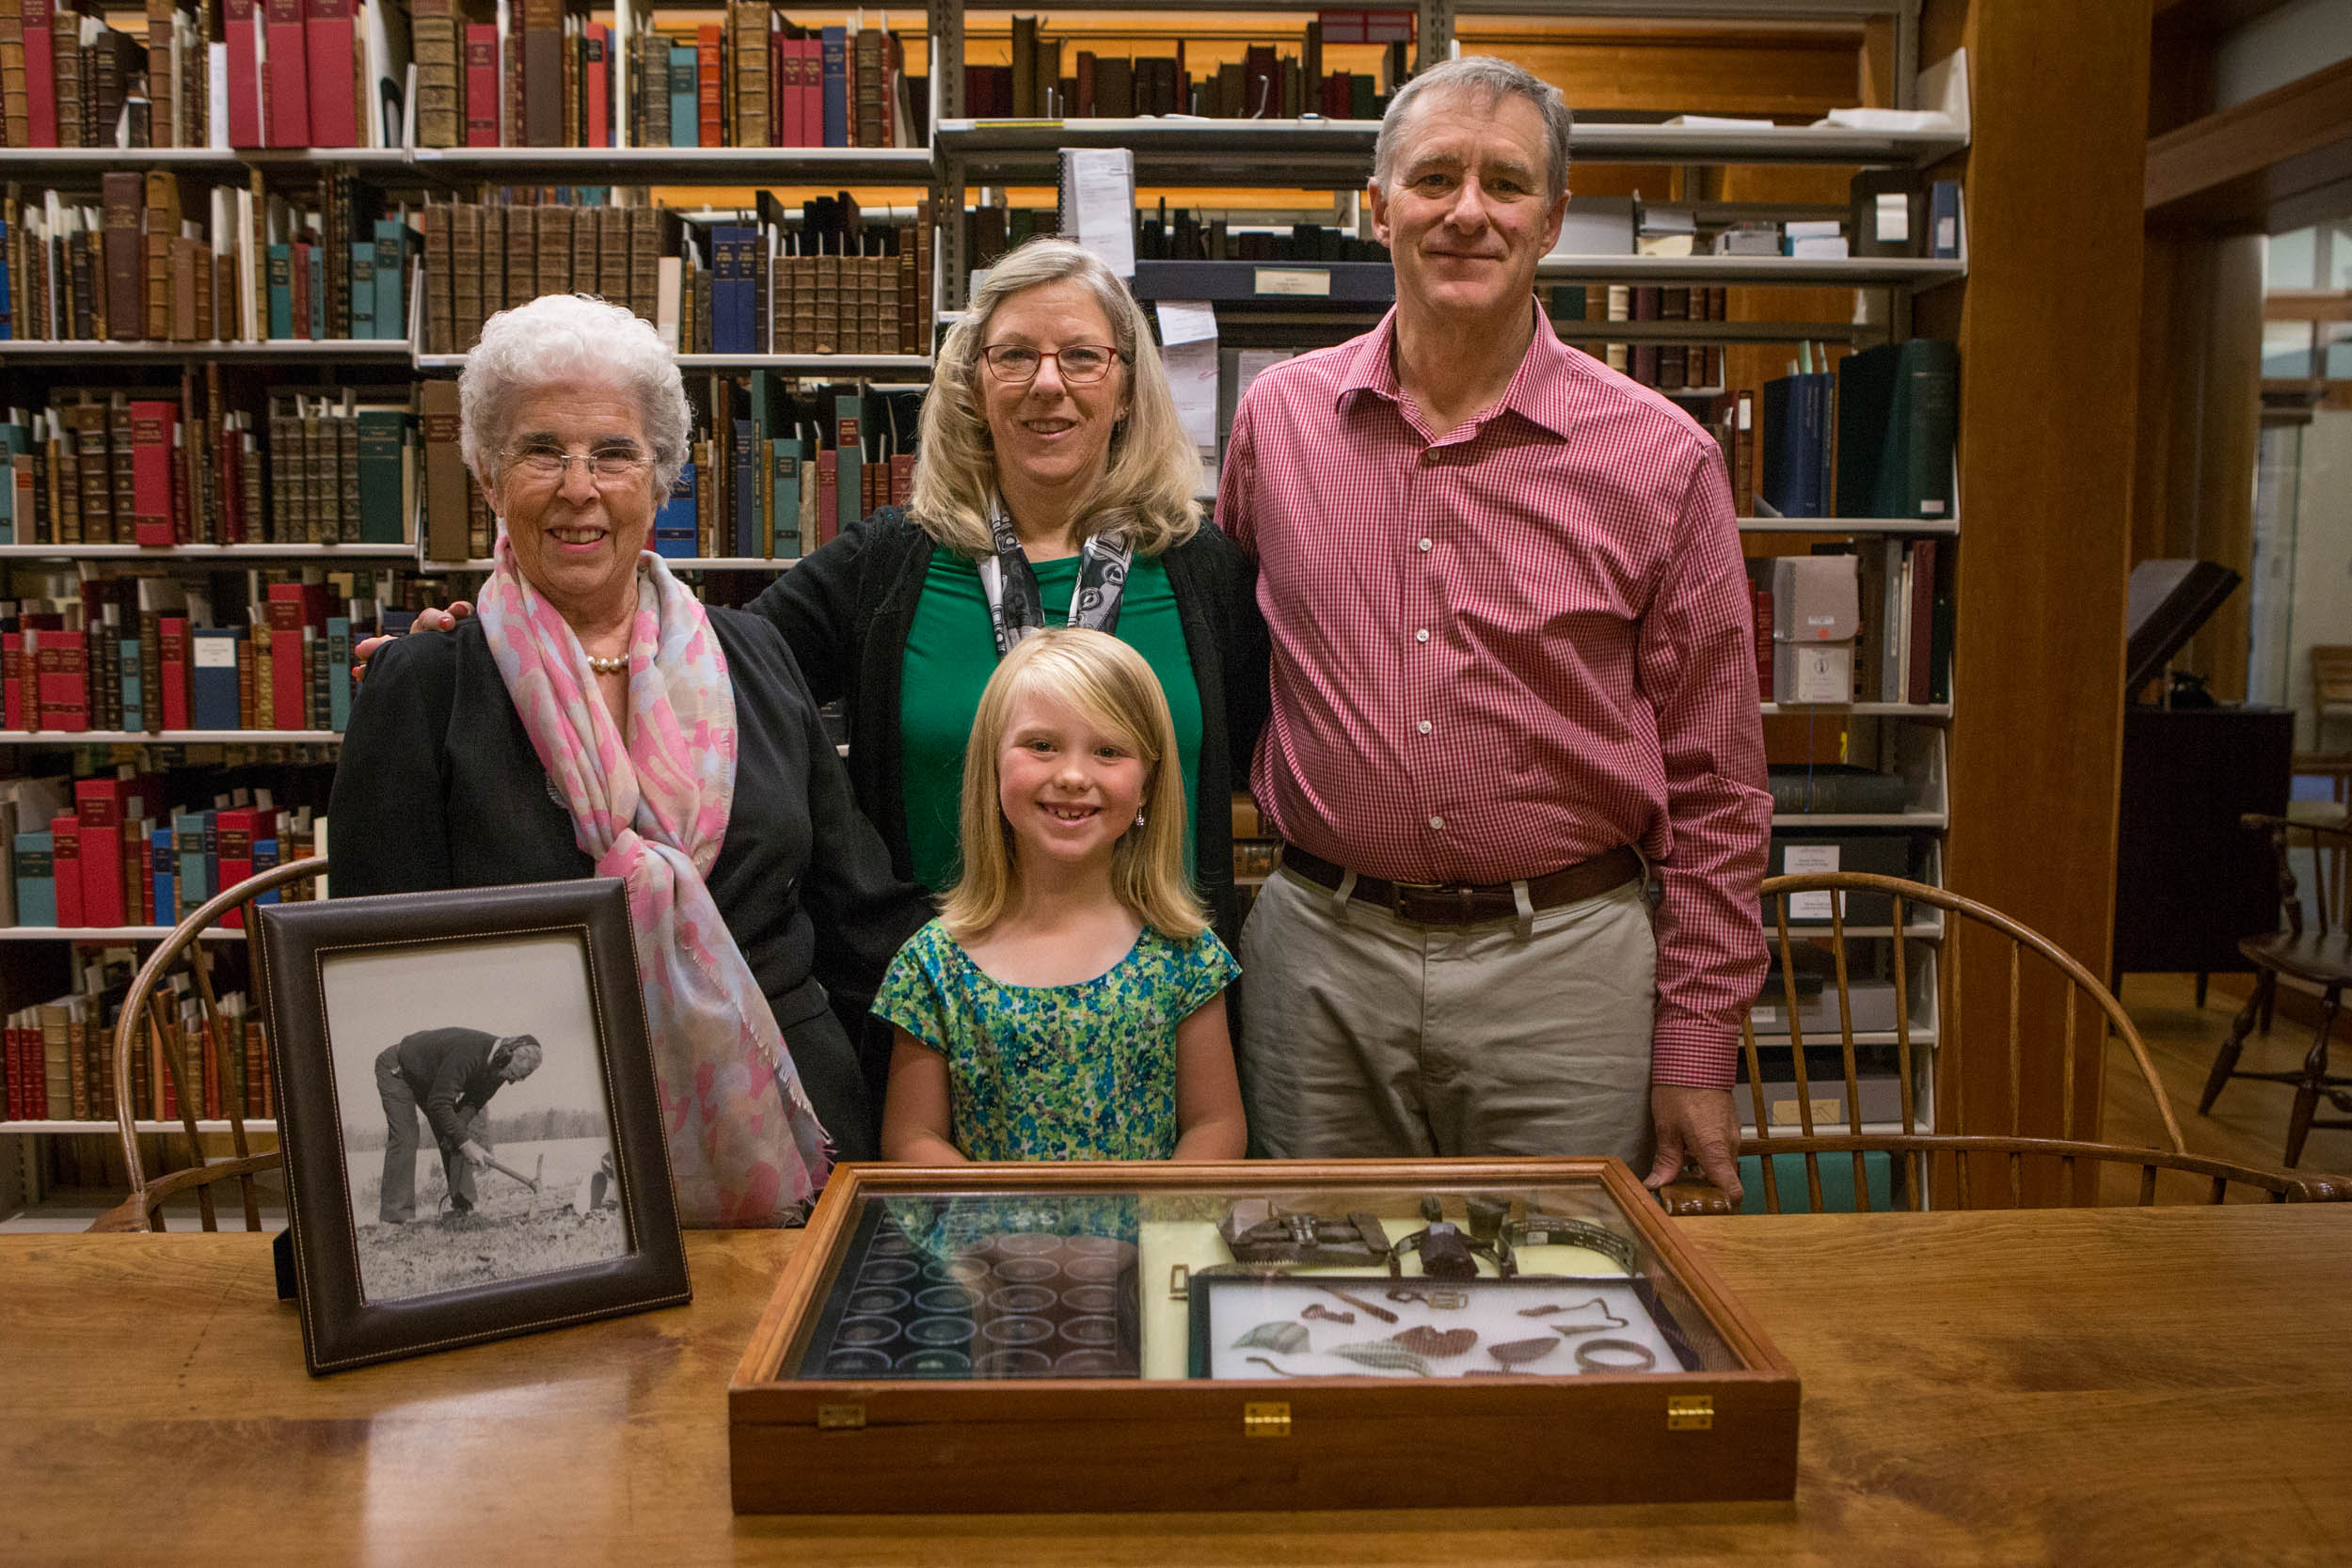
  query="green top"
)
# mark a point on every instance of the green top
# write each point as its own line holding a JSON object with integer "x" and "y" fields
{"x": 951, "y": 651}
{"x": 1056, "y": 1073}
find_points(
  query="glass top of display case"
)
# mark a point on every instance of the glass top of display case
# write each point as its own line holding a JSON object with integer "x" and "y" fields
{"x": 1430, "y": 1277}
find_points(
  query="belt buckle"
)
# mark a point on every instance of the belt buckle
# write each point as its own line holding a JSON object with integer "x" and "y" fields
{"x": 1459, "y": 891}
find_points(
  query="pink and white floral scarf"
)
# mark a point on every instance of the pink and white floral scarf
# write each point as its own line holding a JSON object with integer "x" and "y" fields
{"x": 745, "y": 1146}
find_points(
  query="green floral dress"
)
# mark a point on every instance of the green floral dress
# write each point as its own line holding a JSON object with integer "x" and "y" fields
{"x": 1057, "y": 1073}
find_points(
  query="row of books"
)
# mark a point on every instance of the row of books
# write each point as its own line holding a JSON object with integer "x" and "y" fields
{"x": 1873, "y": 438}
{"x": 760, "y": 80}
{"x": 770, "y": 476}
{"x": 114, "y": 467}
{"x": 236, "y": 264}
{"x": 118, "y": 856}
{"x": 1668, "y": 366}
{"x": 1267, "y": 83}
{"x": 827, "y": 283}
{"x": 1877, "y": 628}
{"x": 67, "y": 79}
{"x": 56, "y": 1058}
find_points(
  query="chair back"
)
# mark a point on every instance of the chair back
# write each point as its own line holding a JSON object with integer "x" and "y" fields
{"x": 2322, "y": 850}
{"x": 151, "y": 1023}
{"x": 2332, "y": 683}
{"x": 1923, "y": 953}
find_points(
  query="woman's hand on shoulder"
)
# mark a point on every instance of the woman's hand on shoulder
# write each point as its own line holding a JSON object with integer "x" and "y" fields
{"x": 427, "y": 620}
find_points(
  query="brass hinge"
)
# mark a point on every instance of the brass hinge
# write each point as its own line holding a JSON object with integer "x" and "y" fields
{"x": 1265, "y": 1419}
{"x": 841, "y": 1418}
{"x": 1690, "y": 1411}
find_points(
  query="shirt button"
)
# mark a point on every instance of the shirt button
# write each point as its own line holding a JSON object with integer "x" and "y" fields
{"x": 1421, "y": 635}
{"x": 1424, "y": 726}
{"x": 1429, "y": 454}
{"x": 1436, "y": 822}
{"x": 1424, "y": 544}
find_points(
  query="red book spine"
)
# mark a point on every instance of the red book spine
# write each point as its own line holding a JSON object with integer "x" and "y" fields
{"x": 596, "y": 74}
{"x": 172, "y": 636}
{"x": 244, "y": 20}
{"x": 152, "y": 423}
{"x": 289, "y": 76}
{"x": 41, "y": 75}
{"x": 1922, "y": 627}
{"x": 65, "y": 855}
{"x": 481, "y": 84}
{"x": 98, "y": 806}
{"x": 709, "y": 101}
{"x": 14, "y": 1045}
{"x": 147, "y": 880}
{"x": 287, "y": 685}
{"x": 235, "y": 829}
{"x": 326, "y": 33}
{"x": 12, "y": 679}
{"x": 812, "y": 92}
{"x": 63, "y": 680}
{"x": 902, "y": 477}
{"x": 1761, "y": 609}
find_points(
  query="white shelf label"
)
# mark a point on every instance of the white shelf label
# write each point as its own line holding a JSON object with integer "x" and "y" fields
{"x": 1294, "y": 280}
{"x": 1796, "y": 861}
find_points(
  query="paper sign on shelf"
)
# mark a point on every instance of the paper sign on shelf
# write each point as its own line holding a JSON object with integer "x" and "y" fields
{"x": 1800, "y": 859}
{"x": 1188, "y": 349}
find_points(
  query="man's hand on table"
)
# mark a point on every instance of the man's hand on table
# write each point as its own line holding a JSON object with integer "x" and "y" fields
{"x": 1695, "y": 1124}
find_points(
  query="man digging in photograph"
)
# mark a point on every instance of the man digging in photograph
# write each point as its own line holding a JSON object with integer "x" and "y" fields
{"x": 451, "y": 1074}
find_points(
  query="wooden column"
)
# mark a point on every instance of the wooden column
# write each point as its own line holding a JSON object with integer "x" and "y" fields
{"x": 2049, "y": 343}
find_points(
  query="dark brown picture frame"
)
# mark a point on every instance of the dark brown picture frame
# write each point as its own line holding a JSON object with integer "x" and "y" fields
{"x": 341, "y": 1328}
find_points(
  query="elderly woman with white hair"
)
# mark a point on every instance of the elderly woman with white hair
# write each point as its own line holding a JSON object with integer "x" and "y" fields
{"x": 595, "y": 719}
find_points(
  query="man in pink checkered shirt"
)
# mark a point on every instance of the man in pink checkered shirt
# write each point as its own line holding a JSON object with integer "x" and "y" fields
{"x": 1515, "y": 754}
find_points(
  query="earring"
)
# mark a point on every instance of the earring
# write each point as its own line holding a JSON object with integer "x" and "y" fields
{"x": 1139, "y": 821}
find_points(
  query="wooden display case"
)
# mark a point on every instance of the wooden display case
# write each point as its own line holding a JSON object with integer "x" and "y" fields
{"x": 1037, "y": 1338}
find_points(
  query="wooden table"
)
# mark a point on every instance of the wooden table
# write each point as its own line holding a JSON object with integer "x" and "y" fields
{"x": 2089, "y": 1386}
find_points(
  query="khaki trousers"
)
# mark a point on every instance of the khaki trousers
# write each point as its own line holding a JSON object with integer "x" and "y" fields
{"x": 1365, "y": 1036}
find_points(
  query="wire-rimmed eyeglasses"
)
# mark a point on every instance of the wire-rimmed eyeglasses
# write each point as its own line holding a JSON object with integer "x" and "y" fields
{"x": 1079, "y": 363}
{"x": 607, "y": 466}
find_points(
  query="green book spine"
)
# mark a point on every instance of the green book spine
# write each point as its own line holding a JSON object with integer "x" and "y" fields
{"x": 382, "y": 433}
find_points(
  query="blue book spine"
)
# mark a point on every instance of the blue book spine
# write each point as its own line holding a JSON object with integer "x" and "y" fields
{"x": 784, "y": 496}
{"x": 211, "y": 820}
{"x": 166, "y": 883}
{"x": 391, "y": 277}
{"x": 187, "y": 838}
{"x": 1944, "y": 219}
{"x": 338, "y": 673}
{"x": 264, "y": 858}
{"x": 685, "y": 128}
{"x": 746, "y": 490}
{"x": 213, "y": 683}
{"x": 134, "y": 694}
{"x": 675, "y": 534}
{"x": 281, "y": 262}
{"x": 363, "y": 289}
{"x": 835, "y": 50}
{"x": 36, "y": 881}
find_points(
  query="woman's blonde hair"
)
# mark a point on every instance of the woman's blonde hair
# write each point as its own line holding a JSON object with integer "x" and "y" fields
{"x": 1147, "y": 492}
{"x": 1108, "y": 681}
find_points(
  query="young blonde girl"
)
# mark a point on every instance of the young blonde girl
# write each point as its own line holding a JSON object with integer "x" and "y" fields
{"x": 1069, "y": 1002}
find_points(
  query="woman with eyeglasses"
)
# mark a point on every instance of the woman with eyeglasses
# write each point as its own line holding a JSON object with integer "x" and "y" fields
{"x": 593, "y": 718}
{"x": 1054, "y": 485}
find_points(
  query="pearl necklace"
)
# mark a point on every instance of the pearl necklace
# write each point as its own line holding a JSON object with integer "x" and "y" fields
{"x": 619, "y": 665}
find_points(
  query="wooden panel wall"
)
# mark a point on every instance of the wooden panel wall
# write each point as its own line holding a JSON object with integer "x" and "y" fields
{"x": 2049, "y": 334}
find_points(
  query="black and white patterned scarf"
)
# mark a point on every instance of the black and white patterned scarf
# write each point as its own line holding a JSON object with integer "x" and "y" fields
{"x": 1015, "y": 607}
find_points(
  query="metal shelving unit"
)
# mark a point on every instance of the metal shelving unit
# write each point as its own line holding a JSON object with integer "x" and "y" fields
{"x": 210, "y": 554}
{"x": 169, "y": 738}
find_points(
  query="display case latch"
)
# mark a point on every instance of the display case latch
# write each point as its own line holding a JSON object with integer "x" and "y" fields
{"x": 1265, "y": 1419}
{"x": 1690, "y": 1411}
{"x": 841, "y": 1418}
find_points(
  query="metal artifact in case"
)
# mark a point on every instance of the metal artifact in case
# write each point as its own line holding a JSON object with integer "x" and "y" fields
{"x": 1113, "y": 1337}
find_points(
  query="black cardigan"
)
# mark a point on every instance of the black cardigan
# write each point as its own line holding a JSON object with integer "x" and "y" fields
{"x": 440, "y": 787}
{"x": 846, "y": 610}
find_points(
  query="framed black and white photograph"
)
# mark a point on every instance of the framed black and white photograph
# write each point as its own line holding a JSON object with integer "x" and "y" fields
{"x": 472, "y": 1131}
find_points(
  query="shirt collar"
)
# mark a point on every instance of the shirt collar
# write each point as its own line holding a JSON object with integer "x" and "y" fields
{"x": 1539, "y": 389}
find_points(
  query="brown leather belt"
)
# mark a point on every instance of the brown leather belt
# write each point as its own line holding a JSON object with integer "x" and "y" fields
{"x": 1466, "y": 904}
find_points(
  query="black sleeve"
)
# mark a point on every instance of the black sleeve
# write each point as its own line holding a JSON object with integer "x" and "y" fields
{"x": 862, "y": 911}
{"x": 1249, "y": 657}
{"x": 815, "y": 606}
{"x": 389, "y": 831}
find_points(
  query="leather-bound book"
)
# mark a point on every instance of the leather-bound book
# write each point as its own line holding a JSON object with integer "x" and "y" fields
{"x": 122, "y": 199}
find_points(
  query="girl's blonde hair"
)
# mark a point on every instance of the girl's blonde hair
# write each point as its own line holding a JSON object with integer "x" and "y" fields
{"x": 1108, "y": 681}
{"x": 1147, "y": 491}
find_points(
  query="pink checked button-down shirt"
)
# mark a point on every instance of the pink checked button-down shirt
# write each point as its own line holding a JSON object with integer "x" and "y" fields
{"x": 1505, "y": 651}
